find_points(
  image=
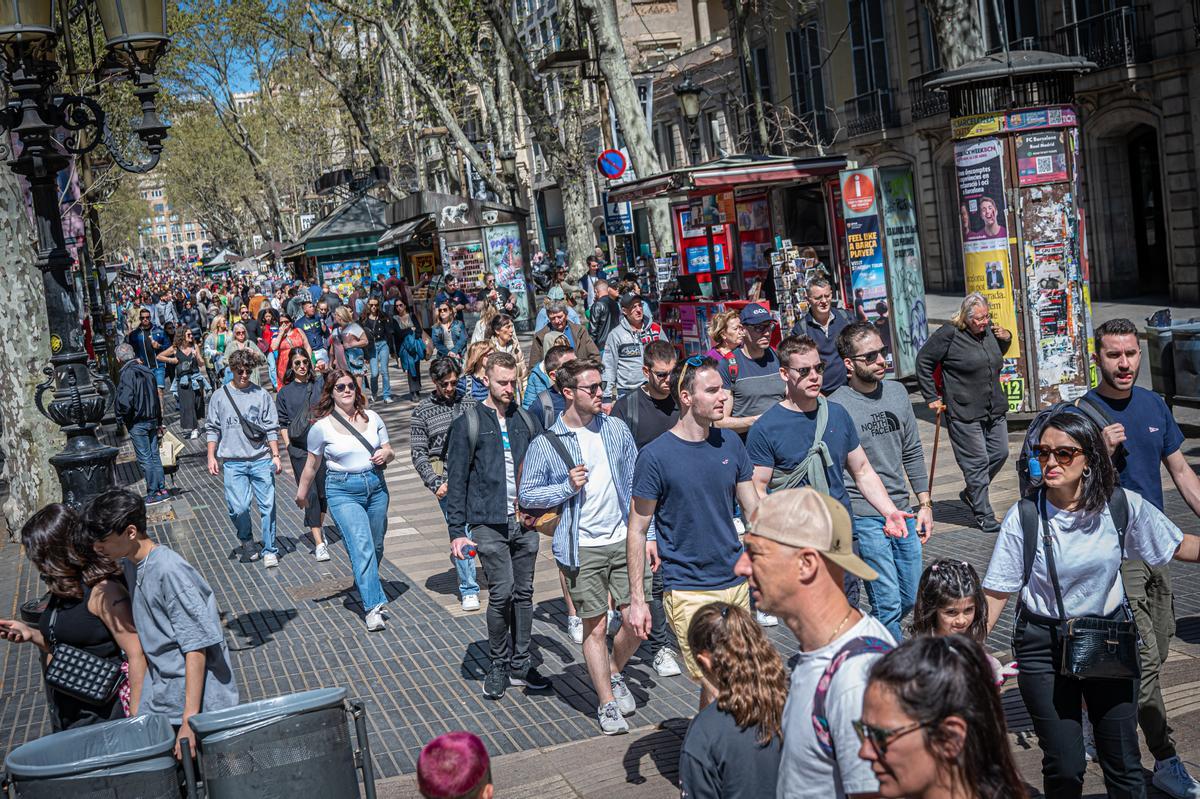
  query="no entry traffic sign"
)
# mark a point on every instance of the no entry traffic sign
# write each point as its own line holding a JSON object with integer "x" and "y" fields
{"x": 611, "y": 164}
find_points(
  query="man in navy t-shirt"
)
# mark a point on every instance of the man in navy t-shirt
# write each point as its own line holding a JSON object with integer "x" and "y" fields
{"x": 1142, "y": 436}
{"x": 751, "y": 374}
{"x": 685, "y": 481}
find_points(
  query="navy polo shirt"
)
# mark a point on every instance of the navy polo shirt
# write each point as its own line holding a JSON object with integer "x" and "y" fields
{"x": 835, "y": 367}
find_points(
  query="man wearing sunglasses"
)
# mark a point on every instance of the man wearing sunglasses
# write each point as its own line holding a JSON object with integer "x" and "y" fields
{"x": 887, "y": 429}
{"x": 822, "y": 324}
{"x": 753, "y": 385}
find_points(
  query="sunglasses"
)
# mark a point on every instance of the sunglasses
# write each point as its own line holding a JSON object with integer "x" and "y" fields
{"x": 1063, "y": 456}
{"x": 693, "y": 362}
{"x": 804, "y": 371}
{"x": 591, "y": 390}
{"x": 242, "y": 371}
{"x": 661, "y": 375}
{"x": 344, "y": 387}
{"x": 879, "y": 737}
{"x": 869, "y": 357}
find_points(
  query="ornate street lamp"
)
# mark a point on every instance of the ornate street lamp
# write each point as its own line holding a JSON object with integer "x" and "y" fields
{"x": 51, "y": 128}
{"x": 508, "y": 168}
{"x": 689, "y": 101}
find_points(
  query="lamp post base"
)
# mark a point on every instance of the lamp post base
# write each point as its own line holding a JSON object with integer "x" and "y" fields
{"x": 86, "y": 468}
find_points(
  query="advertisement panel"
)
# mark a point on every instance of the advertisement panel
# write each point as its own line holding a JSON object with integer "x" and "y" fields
{"x": 504, "y": 258}
{"x": 1041, "y": 157}
{"x": 909, "y": 325}
{"x": 381, "y": 266}
{"x": 345, "y": 275}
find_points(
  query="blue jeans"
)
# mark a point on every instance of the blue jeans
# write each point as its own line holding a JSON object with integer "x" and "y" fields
{"x": 379, "y": 365}
{"x": 898, "y": 561}
{"x": 468, "y": 585}
{"x": 272, "y": 359}
{"x": 358, "y": 502}
{"x": 246, "y": 481}
{"x": 144, "y": 435}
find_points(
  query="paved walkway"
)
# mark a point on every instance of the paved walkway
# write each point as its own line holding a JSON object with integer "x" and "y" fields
{"x": 300, "y": 626}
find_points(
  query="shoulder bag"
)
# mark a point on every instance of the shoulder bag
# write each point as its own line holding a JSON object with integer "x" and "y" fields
{"x": 255, "y": 434}
{"x": 80, "y": 674}
{"x": 1093, "y": 647}
{"x": 344, "y": 422}
{"x": 812, "y": 469}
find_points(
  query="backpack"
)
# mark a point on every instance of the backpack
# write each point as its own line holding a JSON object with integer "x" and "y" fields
{"x": 1029, "y": 471}
{"x": 862, "y": 645}
{"x": 547, "y": 403}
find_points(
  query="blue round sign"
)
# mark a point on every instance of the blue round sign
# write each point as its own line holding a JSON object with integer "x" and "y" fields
{"x": 611, "y": 164}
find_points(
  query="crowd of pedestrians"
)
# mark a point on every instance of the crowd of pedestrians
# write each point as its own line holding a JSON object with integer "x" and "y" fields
{"x": 689, "y": 503}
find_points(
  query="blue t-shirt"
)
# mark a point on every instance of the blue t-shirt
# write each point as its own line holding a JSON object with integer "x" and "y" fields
{"x": 310, "y": 326}
{"x": 782, "y": 437}
{"x": 694, "y": 484}
{"x": 1151, "y": 434}
{"x": 756, "y": 384}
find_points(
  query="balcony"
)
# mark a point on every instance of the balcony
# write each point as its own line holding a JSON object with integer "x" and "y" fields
{"x": 926, "y": 102}
{"x": 1120, "y": 37}
{"x": 871, "y": 112}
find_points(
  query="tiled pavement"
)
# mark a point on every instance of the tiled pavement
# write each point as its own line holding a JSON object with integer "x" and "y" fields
{"x": 300, "y": 626}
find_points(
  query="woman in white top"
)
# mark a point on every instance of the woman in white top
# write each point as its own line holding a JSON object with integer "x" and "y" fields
{"x": 1074, "y": 512}
{"x": 353, "y": 443}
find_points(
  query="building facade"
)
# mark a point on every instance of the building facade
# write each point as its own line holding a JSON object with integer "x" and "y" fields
{"x": 166, "y": 235}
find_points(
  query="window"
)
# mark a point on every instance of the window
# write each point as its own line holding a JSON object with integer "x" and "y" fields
{"x": 868, "y": 46}
{"x": 931, "y": 55}
{"x": 1021, "y": 20}
{"x": 762, "y": 72}
{"x": 804, "y": 76}
{"x": 158, "y": 208}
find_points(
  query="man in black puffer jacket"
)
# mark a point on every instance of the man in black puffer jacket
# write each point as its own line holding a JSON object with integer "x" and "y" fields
{"x": 604, "y": 316}
{"x": 140, "y": 411}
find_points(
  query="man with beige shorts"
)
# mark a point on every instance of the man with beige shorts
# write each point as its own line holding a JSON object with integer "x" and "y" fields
{"x": 686, "y": 481}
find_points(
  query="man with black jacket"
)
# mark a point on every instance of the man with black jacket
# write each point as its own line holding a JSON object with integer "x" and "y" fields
{"x": 604, "y": 314}
{"x": 141, "y": 412}
{"x": 487, "y": 446}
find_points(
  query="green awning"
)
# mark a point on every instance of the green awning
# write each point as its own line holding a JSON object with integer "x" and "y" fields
{"x": 359, "y": 245}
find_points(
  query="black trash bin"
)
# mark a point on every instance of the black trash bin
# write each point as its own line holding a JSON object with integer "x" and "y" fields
{"x": 1185, "y": 341}
{"x": 127, "y": 758}
{"x": 1161, "y": 354}
{"x": 284, "y": 748}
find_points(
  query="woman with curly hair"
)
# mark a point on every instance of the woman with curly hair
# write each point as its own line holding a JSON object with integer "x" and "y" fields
{"x": 733, "y": 745}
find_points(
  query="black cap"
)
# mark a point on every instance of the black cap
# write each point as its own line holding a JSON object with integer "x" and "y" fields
{"x": 628, "y": 300}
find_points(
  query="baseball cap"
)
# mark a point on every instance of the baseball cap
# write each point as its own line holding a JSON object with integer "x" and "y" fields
{"x": 630, "y": 299}
{"x": 806, "y": 518}
{"x": 755, "y": 314}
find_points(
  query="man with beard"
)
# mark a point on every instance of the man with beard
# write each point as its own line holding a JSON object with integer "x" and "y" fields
{"x": 1141, "y": 436}
{"x": 887, "y": 430}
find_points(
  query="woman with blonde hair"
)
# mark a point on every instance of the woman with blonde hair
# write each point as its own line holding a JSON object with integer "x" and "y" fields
{"x": 472, "y": 379}
{"x": 725, "y": 331}
{"x": 240, "y": 341}
{"x": 214, "y": 347}
{"x": 733, "y": 745}
{"x": 483, "y": 326}
{"x": 969, "y": 353}
{"x": 503, "y": 335}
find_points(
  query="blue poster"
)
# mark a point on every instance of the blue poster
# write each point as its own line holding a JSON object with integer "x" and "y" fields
{"x": 381, "y": 266}
{"x": 865, "y": 252}
{"x": 697, "y": 259}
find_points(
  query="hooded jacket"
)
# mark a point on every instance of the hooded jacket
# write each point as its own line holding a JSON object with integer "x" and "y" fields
{"x": 623, "y": 357}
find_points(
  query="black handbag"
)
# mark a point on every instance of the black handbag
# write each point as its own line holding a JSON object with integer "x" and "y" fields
{"x": 80, "y": 674}
{"x": 1094, "y": 647}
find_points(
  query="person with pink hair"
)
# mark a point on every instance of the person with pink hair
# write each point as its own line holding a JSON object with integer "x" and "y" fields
{"x": 455, "y": 766}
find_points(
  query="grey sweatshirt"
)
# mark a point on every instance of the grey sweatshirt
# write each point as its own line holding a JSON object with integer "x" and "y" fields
{"x": 223, "y": 426}
{"x": 622, "y": 359}
{"x": 887, "y": 430}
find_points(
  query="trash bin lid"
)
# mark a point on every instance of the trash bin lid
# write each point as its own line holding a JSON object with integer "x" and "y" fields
{"x": 256, "y": 712}
{"x": 113, "y": 743}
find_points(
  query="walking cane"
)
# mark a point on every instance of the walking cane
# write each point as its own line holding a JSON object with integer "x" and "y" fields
{"x": 937, "y": 431}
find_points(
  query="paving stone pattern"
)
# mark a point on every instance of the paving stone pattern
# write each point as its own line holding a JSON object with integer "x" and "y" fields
{"x": 300, "y": 626}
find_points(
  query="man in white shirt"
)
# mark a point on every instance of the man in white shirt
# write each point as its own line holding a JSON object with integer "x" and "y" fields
{"x": 591, "y": 477}
{"x": 797, "y": 550}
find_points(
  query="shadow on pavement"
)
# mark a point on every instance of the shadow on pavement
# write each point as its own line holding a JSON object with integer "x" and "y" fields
{"x": 662, "y": 746}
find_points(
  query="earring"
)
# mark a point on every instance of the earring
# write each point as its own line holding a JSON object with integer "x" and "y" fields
{"x": 1087, "y": 471}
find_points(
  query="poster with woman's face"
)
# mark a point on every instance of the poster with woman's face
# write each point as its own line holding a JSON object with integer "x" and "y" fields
{"x": 981, "y": 190}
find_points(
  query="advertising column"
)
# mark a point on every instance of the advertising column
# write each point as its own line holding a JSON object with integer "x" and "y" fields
{"x": 905, "y": 268}
{"x": 864, "y": 253}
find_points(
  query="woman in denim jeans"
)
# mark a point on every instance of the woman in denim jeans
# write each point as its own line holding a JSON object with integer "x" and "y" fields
{"x": 354, "y": 486}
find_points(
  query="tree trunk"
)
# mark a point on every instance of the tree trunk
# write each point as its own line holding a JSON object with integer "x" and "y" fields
{"x": 614, "y": 64}
{"x": 28, "y": 438}
{"x": 756, "y": 118}
{"x": 957, "y": 29}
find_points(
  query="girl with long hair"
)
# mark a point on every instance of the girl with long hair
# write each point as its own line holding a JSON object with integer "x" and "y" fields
{"x": 408, "y": 343}
{"x": 1076, "y": 572}
{"x": 286, "y": 339}
{"x": 188, "y": 360}
{"x": 449, "y": 335}
{"x": 302, "y": 388}
{"x": 214, "y": 348}
{"x": 269, "y": 326}
{"x": 352, "y": 442}
{"x": 378, "y": 325}
{"x": 733, "y": 745}
{"x": 88, "y": 609}
{"x": 472, "y": 379}
{"x": 932, "y": 726}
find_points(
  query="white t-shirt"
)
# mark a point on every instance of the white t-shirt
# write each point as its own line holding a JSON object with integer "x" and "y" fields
{"x": 1086, "y": 557}
{"x": 340, "y": 449}
{"x": 599, "y": 515}
{"x": 805, "y": 770}
{"x": 510, "y": 472}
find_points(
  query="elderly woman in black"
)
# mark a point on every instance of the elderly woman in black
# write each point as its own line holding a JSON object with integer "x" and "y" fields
{"x": 1073, "y": 525}
{"x": 88, "y": 609}
{"x": 970, "y": 351}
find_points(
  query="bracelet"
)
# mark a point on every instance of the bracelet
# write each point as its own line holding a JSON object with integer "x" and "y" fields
{"x": 926, "y": 505}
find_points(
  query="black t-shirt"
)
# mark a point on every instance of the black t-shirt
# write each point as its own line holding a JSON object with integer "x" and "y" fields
{"x": 719, "y": 760}
{"x": 654, "y": 417}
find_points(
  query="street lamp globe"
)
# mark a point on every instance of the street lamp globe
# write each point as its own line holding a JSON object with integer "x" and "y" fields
{"x": 134, "y": 30}
{"x": 26, "y": 23}
{"x": 508, "y": 164}
{"x": 689, "y": 98}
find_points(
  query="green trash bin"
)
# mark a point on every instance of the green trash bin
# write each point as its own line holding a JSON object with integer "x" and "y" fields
{"x": 127, "y": 758}
{"x": 286, "y": 747}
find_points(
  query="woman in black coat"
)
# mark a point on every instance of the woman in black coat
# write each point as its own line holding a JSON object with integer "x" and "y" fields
{"x": 970, "y": 351}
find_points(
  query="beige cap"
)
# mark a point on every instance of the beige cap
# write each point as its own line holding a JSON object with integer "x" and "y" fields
{"x": 804, "y": 518}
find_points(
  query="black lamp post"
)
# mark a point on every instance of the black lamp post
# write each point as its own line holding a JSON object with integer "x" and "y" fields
{"x": 508, "y": 167}
{"x": 52, "y": 128}
{"x": 689, "y": 101}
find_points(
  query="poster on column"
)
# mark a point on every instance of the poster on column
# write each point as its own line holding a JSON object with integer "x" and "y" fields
{"x": 984, "y": 229}
{"x": 506, "y": 263}
{"x": 910, "y": 327}
{"x": 864, "y": 248}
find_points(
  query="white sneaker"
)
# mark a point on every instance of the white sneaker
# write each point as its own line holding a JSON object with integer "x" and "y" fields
{"x": 665, "y": 664}
{"x": 575, "y": 628}
{"x": 270, "y": 560}
{"x": 622, "y": 695}
{"x": 321, "y": 553}
{"x": 1171, "y": 777}
{"x": 192, "y": 436}
{"x": 765, "y": 619}
{"x": 470, "y": 602}
{"x": 1089, "y": 739}
{"x": 375, "y": 619}
{"x": 611, "y": 722}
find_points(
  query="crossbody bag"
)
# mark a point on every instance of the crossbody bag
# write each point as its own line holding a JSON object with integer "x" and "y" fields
{"x": 812, "y": 470}
{"x": 254, "y": 433}
{"x": 344, "y": 422}
{"x": 80, "y": 674}
{"x": 1093, "y": 647}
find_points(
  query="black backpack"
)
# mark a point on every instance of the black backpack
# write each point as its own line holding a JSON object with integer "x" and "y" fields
{"x": 1029, "y": 471}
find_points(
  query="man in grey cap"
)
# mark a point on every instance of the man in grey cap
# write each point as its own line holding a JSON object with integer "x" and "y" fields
{"x": 796, "y": 553}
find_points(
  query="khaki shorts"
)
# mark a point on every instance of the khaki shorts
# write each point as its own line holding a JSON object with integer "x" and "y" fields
{"x": 681, "y": 606}
{"x": 602, "y": 572}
